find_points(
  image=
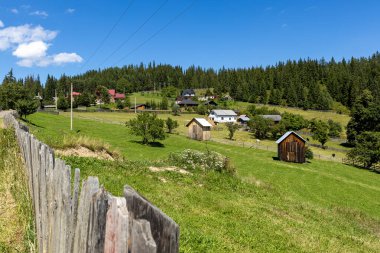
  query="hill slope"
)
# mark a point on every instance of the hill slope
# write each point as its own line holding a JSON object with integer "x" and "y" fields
{"x": 270, "y": 206}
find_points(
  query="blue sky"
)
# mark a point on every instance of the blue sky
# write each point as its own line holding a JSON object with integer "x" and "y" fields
{"x": 56, "y": 37}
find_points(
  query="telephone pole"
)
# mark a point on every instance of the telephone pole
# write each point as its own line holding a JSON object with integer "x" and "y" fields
{"x": 135, "y": 104}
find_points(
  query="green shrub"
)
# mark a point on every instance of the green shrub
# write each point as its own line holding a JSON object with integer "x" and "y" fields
{"x": 193, "y": 159}
{"x": 309, "y": 153}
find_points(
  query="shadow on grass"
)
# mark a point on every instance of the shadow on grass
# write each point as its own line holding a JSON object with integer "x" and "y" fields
{"x": 373, "y": 170}
{"x": 31, "y": 123}
{"x": 154, "y": 144}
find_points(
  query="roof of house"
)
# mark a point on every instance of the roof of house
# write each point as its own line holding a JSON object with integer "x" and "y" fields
{"x": 243, "y": 118}
{"x": 287, "y": 134}
{"x": 119, "y": 96}
{"x": 188, "y": 102}
{"x": 224, "y": 112}
{"x": 272, "y": 117}
{"x": 188, "y": 92}
{"x": 137, "y": 106}
{"x": 201, "y": 121}
{"x": 211, "y": 102}
{"x": 76, "y": 93}
{"x": 112, "y": 92}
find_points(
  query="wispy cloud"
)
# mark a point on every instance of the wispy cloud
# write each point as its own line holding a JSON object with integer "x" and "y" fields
{"x": 42, "y": 14}
{"x": 30, "y": 44}
{"x": 14, "y": 11}
{"x": 70, "y": 10}
{"x": 1, "y": 24}
{"x": 284, "y": 26}
{"x": 269, "y": 8}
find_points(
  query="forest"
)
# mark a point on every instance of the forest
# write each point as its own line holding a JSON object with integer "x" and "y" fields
{"x": 306, "y": 83}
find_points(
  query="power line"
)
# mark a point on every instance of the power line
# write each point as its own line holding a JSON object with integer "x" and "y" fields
{"x": 135, "y": 32}
{"x": 108, "y": 34}
{"x": 159, "y": 31}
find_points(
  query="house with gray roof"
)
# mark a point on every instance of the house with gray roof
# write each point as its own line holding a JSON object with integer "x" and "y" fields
{"x": 223, "y": 116}
{"x": 275, "y": 118}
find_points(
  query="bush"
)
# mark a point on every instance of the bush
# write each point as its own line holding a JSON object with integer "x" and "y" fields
{"x": 26, "y": 107}
{"x": 309, "y": 153}
{"x": 62, "y": 103}
{"x": 171, "y": 124}
{"x": 193, "y": 159}
{"x": 119, "y": 105}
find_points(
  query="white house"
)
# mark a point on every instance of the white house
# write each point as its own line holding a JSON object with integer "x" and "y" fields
{"x": 223, "y": 116}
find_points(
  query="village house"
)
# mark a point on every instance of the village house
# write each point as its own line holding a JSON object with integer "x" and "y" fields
{"x": 75, "y": 94}
{"x": 140, "y": 107}
{"x": 275, "y": 118}
{"x": 187, "y": 103}
{"x": 291, "y": 148}
{"x": 243, "y": 119}
{"x": 188, "y": 93}
{"x": 223, "y": 116}
{"x": 199, "y": 129}
{"x": 115, "y": 96}
{"x": 210, "y": 103}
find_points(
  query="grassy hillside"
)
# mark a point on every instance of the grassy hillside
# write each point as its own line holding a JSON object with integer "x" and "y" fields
{"x": 269, "y": 206}
{"x": 241, "y": 137}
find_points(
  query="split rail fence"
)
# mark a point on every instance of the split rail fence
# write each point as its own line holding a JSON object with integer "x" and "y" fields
{"x": 70, "y": 218}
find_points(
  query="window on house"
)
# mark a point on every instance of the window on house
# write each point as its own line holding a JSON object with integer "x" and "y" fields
{"x": 222, "y": 118}
{"x": 230, "y": 118}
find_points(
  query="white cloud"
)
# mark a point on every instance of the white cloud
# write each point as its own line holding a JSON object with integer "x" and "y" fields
{"x": 70, "y": 11}
{"x": 63, "y": 58}
{"x": 42, "y": 14}
{"x": 12, "y": 36}
{"x": 35, "y": 49}
{"x": 30, "y": 45}
{"x": 14, "y": 11}
{"x": 1, "y": 24}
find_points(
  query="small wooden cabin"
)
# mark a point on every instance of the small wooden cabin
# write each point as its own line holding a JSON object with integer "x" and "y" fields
{"x": 139, "y": 107}
{"x": 199, "y": 129}
{"x": 291, "y": 148}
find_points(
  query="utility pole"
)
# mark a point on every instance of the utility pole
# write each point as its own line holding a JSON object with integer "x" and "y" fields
{"x": 71, "y": 111}
{"x": 135, "y": 104}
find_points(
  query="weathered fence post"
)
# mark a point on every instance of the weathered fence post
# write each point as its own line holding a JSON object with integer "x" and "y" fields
{"x": 117, "y": 226}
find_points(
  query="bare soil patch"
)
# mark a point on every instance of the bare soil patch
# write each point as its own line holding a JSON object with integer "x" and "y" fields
{"x": 171, "y": 168}
{"x": 85, "y": 152}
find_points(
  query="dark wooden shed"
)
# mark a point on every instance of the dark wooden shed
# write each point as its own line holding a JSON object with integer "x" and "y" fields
{"x": 291, "y": 147}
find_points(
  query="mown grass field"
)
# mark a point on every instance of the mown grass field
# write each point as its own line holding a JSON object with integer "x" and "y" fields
{"x": 268, "y": 206}
{"x": 220, "y": 135}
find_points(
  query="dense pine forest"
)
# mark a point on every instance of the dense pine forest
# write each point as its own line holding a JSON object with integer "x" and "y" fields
{"x": 306, "y": 83}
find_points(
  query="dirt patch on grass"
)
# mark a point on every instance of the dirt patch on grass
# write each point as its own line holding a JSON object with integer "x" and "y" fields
{"x": 85, "y": 152}
{"x": 171, "y": 168}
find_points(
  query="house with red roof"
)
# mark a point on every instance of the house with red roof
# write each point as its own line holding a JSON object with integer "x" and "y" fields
{"x": 115, "y": 96}
{"x": 75, "y": 94}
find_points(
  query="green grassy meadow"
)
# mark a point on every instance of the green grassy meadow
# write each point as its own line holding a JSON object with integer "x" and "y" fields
{"x": 220, "y": 135}
{"x": 268, "y": 206}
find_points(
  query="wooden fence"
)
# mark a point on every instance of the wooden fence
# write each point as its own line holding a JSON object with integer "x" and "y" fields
{"x": 70, "y": 218}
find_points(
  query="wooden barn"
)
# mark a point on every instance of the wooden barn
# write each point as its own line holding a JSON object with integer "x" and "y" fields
{"x": 199, "y": 129}
{"x": 291, "y": 147}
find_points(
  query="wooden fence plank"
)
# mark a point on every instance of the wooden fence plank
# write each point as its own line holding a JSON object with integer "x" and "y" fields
{"x": 142, "y": 240}
{"x": 117, "y": 226}
{"x": 164, "y": 230}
